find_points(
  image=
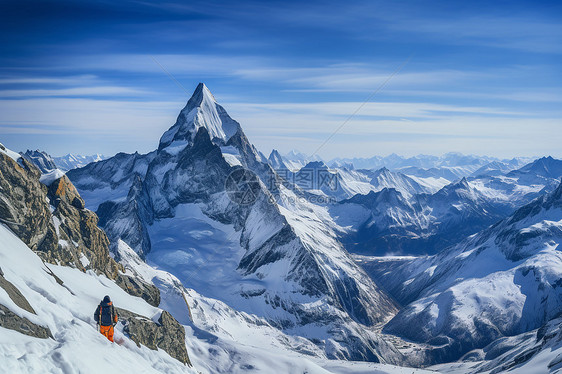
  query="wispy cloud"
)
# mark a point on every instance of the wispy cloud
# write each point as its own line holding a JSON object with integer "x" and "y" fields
{"x": 72, "y": 80}
{"x": 76, "y": 92}
{"x": 526, "y": 33}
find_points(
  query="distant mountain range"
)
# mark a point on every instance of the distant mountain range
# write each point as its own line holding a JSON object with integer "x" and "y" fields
{"x": 450, "y": 166}
{"x": 47, "y": 163}
{"x": 503, "y": 281}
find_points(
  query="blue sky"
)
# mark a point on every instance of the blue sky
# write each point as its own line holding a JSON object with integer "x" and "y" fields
{"x": 477, "y": 77}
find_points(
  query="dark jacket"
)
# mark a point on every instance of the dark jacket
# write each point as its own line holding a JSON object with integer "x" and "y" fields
{"x": 105, "y": 314}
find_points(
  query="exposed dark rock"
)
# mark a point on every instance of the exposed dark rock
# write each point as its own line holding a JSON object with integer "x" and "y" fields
{"x": 12, "y": 321}
{"x": 15, "y": 295}
{"x": 134, "y": 286}
{"x": 168, "y": 334}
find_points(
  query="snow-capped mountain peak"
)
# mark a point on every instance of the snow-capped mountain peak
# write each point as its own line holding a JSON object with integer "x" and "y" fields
{"x": 201, "y": 110}
{"x": 276, "y": 160}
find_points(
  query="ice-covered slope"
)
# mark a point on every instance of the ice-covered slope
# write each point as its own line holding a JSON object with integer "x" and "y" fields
{"x": 277, "y": 261}
{"x": 500, "y": 282}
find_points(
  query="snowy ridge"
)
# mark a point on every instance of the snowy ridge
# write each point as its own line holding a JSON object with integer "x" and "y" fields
{"x": 455, "y": 164}
{"x": 430, "y": 222}
{"x": 13, "y": 155}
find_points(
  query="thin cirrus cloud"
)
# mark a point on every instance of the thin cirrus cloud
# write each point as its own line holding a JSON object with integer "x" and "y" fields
{"x": 482, "y": 74}
{"x": 192, "y": 64}
{"x": 524, "y": 33}
{"x": 75, "y": 91}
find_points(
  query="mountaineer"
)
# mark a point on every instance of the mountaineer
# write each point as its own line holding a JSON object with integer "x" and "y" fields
{"x": 106, "y": 317}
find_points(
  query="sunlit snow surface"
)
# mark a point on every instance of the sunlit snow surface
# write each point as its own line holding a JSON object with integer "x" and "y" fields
{"x": 68, "y": 312}
{"x": 220, "y": 340}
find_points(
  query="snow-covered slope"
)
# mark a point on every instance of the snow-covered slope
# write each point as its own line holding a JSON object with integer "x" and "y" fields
{"x": 8, "y": 152}
{"x": 537, "y": 351}
{"x": 278, "y": 261}
{"x": 67, "y": 311}
{"x": 221, "y": 339}
{"x": 500, "y": 282}
{"x": 496, "y": 168}
{"x": 385, "y": 223}
{"x": 295, "y": 160}
{"x": 339, "y": 183}
{"x": 276, "y": 161}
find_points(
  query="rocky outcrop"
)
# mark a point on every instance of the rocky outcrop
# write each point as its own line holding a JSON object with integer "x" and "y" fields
{"x": 15, "y": 295}
{"x": 12, "y": 321}
{"x": 167, "y": 334}
{"x": 135, "y": 286}
{"x": 52, "y": 221}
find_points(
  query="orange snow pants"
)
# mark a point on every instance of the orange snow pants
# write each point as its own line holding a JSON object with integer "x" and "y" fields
{"x": 107, "y": 331}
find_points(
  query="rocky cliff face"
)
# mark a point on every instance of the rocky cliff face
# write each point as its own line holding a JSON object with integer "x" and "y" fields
{"x": 52, "y": 221}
